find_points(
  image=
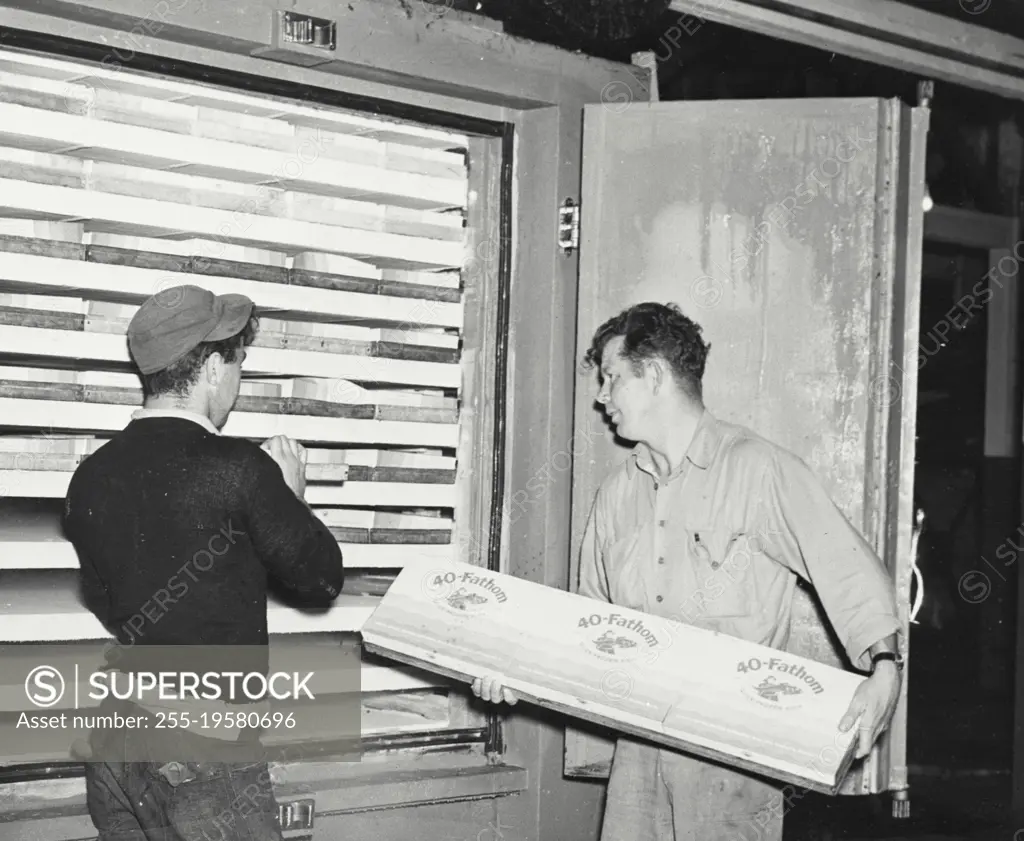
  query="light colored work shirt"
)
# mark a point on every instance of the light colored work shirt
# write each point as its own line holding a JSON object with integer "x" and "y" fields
{"x": 720, "y": 544}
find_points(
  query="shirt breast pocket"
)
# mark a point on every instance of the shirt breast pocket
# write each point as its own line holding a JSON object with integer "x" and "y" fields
{"x": 723, "y": 563}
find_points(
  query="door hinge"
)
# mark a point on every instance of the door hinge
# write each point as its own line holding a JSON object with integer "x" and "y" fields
{"x": 296, "y": 814}
{"x": 569, "y": 226}
{"x": 925, "y": 93}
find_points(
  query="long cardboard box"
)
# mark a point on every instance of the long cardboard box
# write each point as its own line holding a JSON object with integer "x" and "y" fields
{"x": 693, "y": 690}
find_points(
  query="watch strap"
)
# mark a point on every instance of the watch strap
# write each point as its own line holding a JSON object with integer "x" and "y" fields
{"x": 886, "y": 655}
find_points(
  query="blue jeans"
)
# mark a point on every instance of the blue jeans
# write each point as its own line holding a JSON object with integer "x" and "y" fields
{"x": 178, "y": 801}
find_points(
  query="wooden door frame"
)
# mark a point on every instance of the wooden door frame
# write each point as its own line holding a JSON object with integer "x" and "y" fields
{"x": 998, "y": 236}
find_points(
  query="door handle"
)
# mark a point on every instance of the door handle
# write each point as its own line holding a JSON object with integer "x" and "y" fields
{"x": 915, "y": 570}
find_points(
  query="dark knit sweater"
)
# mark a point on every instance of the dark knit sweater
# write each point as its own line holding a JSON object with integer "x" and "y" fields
{"x": 178, "y": 529}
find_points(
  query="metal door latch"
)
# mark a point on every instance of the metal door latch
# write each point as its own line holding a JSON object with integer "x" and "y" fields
{"x": 307, "y": 30}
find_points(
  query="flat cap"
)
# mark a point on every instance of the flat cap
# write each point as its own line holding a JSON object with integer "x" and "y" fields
{"x": 174, "y": 321}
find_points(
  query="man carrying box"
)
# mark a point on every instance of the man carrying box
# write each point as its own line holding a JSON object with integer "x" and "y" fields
{"x": 666, "y": 534}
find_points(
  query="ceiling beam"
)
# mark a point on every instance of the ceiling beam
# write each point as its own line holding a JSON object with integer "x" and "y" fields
{"x": 884, "y": 32}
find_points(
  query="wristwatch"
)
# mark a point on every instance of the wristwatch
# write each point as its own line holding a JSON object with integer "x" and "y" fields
{"x": 887, "y": 655}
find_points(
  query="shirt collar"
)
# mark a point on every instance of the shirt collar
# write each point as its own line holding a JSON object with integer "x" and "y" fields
{"x": 182, "y": 414}
{"x": 706, "y": 438}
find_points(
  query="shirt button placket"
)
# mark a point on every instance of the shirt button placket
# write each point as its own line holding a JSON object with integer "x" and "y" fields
{"x": 659, "y": 532}
{"x": 661, "y": 541}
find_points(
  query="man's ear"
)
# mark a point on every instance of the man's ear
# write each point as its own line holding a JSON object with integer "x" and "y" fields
{"x": 655, "y": 372}
{"x": 213, "y": 369}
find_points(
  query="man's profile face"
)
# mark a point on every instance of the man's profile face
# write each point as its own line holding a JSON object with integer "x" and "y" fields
{"x": 626, "y": 397}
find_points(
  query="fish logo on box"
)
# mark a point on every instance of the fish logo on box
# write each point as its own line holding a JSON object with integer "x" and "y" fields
{"x": 617, "y": 638}
{"x": 782, "y": 691}
{"x": 771, "y": 690}
{"x": 462, "y": 599}
{"x": 609, "y": 644}
{"x": 465, "y": 594}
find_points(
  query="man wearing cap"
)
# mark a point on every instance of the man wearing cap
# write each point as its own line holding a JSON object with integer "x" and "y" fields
{"x": 178, "y": 530}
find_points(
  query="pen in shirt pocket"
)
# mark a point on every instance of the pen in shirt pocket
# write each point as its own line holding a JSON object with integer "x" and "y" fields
{"x": 700, "y": 547}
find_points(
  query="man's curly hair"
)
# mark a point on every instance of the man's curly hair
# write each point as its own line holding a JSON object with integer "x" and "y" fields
{"x": 182, "y": 376}
{"x": 652, "y": 330}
